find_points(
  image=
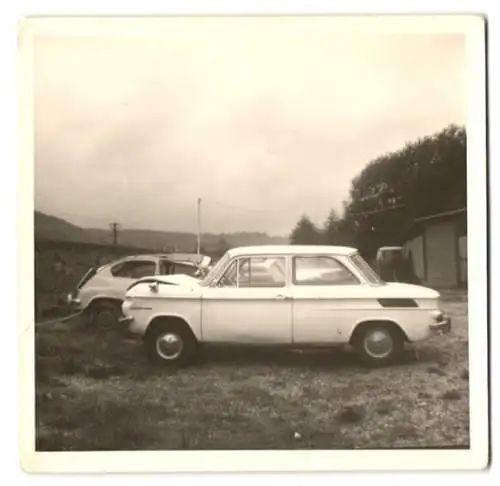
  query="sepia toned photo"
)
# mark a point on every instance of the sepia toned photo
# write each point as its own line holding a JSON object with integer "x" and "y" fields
{"x": 253, "y": 235}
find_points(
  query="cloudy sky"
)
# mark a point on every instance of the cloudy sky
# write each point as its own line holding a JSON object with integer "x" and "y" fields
{"x": 262, "y": 119}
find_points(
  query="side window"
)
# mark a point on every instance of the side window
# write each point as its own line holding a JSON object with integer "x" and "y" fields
{"x": 252, "y": 272}
{"x": 166, "y": 267}
{"x": 321, "y": 270}
{"x": 134, "y": 269}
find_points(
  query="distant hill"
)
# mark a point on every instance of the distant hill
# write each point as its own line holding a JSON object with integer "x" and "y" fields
{"x": 52, "y": 228}
{"x": 57, "y": 229}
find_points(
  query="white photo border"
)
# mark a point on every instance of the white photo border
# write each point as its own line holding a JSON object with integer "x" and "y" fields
{"x": 477, "y": 457}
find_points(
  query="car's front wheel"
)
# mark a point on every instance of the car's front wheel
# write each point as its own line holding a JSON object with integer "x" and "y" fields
{"x": 379, "y": 345}
{"x": 171, "y": 345}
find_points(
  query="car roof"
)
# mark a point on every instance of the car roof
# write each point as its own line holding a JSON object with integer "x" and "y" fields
{"x": 292, "y": 250}
{"x": 174, "y": 258}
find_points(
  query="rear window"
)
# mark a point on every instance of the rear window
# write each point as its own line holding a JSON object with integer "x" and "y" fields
{"x": 321, "y": 270}
{"x": 87, "y": 277}
{"x": 366, "y": 269}
{"x": 134, "y": 269}
{"x": 168, "y": 267}
{"x": 184, "y": 269}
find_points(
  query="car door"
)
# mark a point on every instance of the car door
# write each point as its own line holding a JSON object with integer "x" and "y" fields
{"x": 250, "y": 303}
{"x": 325, "y": 299}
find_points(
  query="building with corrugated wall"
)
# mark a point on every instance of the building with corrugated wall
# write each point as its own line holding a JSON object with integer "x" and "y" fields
{"x": 439, "y": 251}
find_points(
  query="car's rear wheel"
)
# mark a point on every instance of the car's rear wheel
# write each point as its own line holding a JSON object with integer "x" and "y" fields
{"x": 171, "y": 345}
{"x": 105, "y": 314}
{"x": 379, "y": 344}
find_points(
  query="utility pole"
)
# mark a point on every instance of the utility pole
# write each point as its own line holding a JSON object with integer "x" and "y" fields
{"x": 114, "y": 232}
{"x": 198, "y": 238}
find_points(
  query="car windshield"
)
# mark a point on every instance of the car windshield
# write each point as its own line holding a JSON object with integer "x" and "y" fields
{"x": 216, "y": 270}
{"x": 366, "y": 270}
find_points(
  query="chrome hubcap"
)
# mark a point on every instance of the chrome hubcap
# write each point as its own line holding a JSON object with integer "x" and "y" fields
{"x": 169, "y": 346}
{"x": 378, "y": 344}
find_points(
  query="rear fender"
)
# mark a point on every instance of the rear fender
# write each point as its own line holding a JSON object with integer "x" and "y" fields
{"x": 102, "y": 298}
{"x": 374, "y": 321}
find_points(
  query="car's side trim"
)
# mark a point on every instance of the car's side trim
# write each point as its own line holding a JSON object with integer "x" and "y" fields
{"x": 397, "y": 302}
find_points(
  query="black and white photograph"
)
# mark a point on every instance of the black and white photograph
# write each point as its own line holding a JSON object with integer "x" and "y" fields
{"x": 254, "y": 233}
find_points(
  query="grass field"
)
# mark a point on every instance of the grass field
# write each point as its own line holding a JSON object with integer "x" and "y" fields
{"x": 96, "y": 391}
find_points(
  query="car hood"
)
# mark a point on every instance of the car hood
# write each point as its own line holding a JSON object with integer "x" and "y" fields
{"x": 179, "y": 279}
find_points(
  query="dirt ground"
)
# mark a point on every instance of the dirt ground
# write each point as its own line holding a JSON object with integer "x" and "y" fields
{"x": 96, "y": 391}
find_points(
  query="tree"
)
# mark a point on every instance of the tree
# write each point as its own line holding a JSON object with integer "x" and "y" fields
{"x": 305, "y": 233}
{"x": 425, "y": 177}
{"x": 331, "y": 228}
{"x": 222, "y": 246}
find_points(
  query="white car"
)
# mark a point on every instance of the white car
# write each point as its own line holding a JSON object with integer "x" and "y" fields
{"x": 101, "y": 291}
{"x": 296, "y": 296}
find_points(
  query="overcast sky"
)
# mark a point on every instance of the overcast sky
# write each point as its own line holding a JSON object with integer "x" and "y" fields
{"x": 265, "y": 120}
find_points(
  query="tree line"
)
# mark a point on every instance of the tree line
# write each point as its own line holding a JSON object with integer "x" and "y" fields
{"x": 425, "y": 177}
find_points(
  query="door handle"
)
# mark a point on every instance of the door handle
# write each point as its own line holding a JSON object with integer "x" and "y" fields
{"x": 283, "y": 297}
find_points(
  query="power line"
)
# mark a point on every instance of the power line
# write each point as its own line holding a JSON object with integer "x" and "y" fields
{"x": 362, "y": 213}
{"x": 267, "y": 211}
{"x": 241, "y": 208}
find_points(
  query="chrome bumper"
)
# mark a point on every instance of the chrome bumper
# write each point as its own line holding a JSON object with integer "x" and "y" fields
{"x": 441, "y": 327}
{"x": 126, "y": 322}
